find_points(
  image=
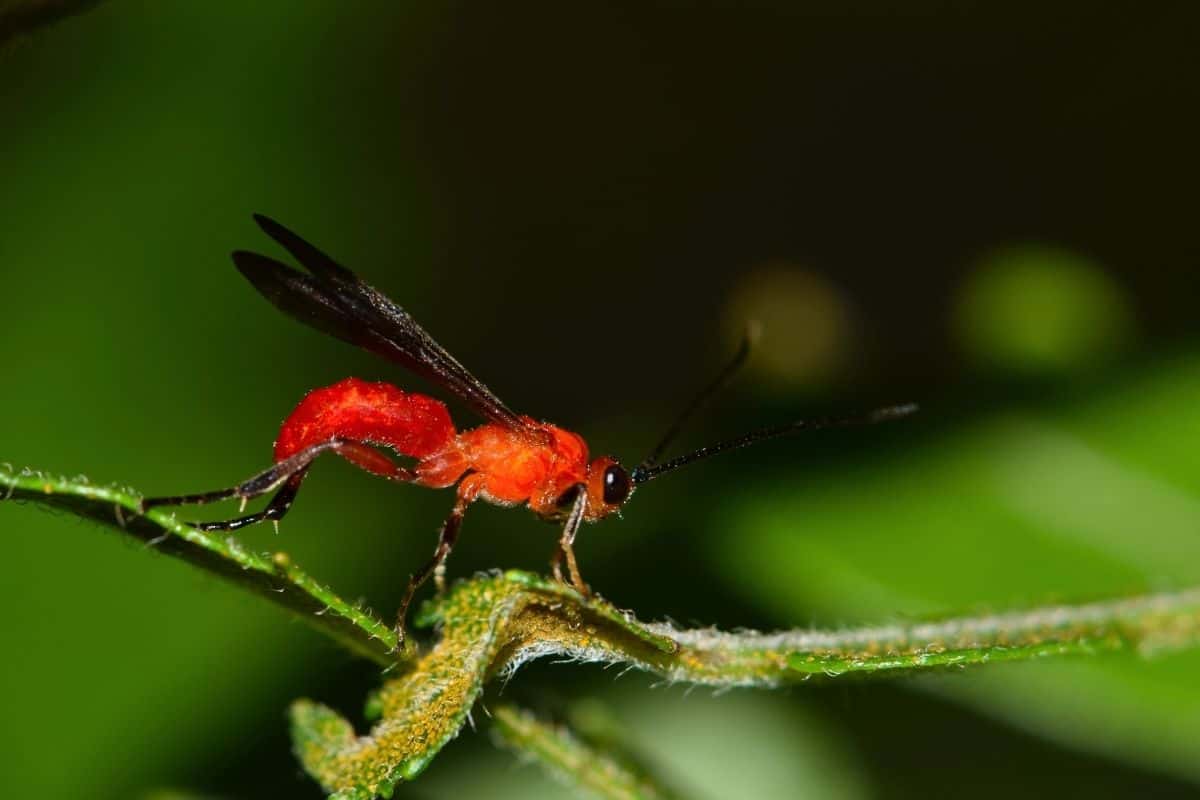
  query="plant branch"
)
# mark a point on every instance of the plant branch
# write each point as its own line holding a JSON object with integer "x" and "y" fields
{"x": 598, "y": 770}
{"x": 272, "y": 576}
{"x": 492, "y": 624}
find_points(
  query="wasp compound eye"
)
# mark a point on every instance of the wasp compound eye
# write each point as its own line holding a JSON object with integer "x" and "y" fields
{"x": 616, "y": 485}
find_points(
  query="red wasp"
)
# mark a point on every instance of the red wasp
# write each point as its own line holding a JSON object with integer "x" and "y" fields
{"x": 510, "y": 459}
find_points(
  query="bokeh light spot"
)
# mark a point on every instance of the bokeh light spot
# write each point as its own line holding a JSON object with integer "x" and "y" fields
{"x": 806, "y": 323}
{"x": 1038, "y": 308}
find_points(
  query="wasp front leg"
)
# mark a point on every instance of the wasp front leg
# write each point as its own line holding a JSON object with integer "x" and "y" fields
{"x": 468, "y": 491}
{"x": 566, "y": 542}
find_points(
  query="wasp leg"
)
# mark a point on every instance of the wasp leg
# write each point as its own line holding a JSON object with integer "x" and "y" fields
{"x": 468, "y": 490}
{"x": 566, "y": 543}
{"x": 279, "y": 505}
{"x": 286, "y": 476}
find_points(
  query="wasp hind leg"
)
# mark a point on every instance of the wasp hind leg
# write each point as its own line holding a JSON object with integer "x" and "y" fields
{"x": 280, "y": 502}
{"x": 284, "y": 478}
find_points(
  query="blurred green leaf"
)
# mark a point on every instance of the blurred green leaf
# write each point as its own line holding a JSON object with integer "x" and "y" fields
{"x": 1006, "y": 512}
{"x": 739, "y": 744}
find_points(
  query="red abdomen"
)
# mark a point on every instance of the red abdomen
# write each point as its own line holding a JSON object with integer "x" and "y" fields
{"x": 379, "y": 413}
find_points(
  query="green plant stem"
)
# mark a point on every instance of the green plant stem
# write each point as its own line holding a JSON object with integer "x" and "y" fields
{"x": 272, "y": 575}
{"x": 492, "y": 624}
{"x": 598, "y": 771}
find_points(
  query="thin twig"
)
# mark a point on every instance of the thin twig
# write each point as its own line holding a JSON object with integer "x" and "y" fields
{"x": 599, "y": 771}
{"x": 272, "y": 576}
{"x": 492, "y": 624}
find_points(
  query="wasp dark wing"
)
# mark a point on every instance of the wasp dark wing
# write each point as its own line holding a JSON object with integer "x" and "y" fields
{"x": 297, "y": 295}
{"x": 313, "y": 259}
{"x": 334, "y": 300}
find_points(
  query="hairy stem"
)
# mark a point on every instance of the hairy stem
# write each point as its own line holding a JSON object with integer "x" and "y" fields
{"x": 272, "y": 576}
{"x": 599, "y": 771}
{"x": 490, "y": 625}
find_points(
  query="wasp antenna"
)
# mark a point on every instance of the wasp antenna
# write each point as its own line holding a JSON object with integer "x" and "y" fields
{"x": 642, "y": 474}
{"x": 749, "y": 339}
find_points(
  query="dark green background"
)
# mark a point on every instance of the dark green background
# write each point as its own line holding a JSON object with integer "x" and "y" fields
{"x": 992, "y": 210}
